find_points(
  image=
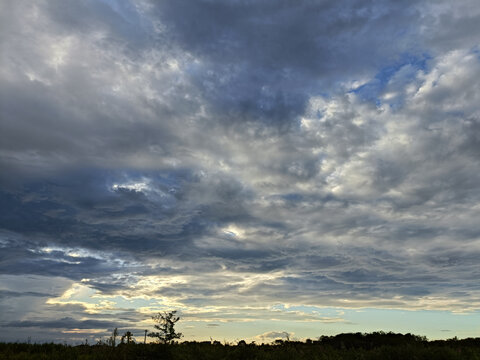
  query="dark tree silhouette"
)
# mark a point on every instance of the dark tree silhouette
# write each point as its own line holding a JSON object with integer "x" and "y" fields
{"x": 166, "y": 327}
{"x": 129, "y": 337}
{"x": 112, "y": 341}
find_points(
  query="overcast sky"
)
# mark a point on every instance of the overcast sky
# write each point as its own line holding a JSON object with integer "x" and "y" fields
{"x": 265, "y": 167}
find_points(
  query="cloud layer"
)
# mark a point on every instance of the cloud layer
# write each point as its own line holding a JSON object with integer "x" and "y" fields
{"x": 224, "y": 157}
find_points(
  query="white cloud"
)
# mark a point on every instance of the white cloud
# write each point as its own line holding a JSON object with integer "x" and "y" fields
{"x": 275, "y": 335}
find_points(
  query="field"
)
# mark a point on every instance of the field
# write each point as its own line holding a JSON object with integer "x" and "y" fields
{"x": 378, "y": 346}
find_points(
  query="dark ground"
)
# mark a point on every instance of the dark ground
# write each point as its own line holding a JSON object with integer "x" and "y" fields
{"x": 381, "y": 346}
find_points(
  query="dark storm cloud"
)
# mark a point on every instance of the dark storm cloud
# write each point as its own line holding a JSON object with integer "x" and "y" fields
{"x": 21, "y": 257}
{"x": 66, "y": 323}
{"x": 10, "y": 294}
{"x": 264, "y": 59}
{"x": 90, "y": 208}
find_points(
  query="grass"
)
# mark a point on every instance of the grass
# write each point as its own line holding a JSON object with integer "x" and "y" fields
{"x": 375, "y": 346}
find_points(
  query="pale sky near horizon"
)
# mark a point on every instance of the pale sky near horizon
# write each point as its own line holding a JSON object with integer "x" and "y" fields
{"x": 267, "y": 168}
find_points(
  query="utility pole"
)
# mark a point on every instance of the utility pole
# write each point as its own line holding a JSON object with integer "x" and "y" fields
{"x": 145, "y": 339}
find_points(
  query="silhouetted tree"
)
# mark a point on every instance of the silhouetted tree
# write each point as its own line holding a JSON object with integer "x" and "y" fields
{"x": 113, "y": 339}
{"x": 166, "y": 327}
{"x": 127, "y": 336}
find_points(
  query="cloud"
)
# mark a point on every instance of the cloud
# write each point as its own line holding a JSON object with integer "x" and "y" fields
{"x": 262, "y": 60}
{"x": 65, "y": 323}
{"x": 275, "y": 335}
{"x": 213, "y": 153}
{"x": 9, "y": 294}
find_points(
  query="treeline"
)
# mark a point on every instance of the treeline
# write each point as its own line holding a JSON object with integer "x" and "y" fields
{"x": 372, "y": 346}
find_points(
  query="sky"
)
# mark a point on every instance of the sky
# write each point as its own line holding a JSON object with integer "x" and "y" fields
{"x": 268, "y": 168}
